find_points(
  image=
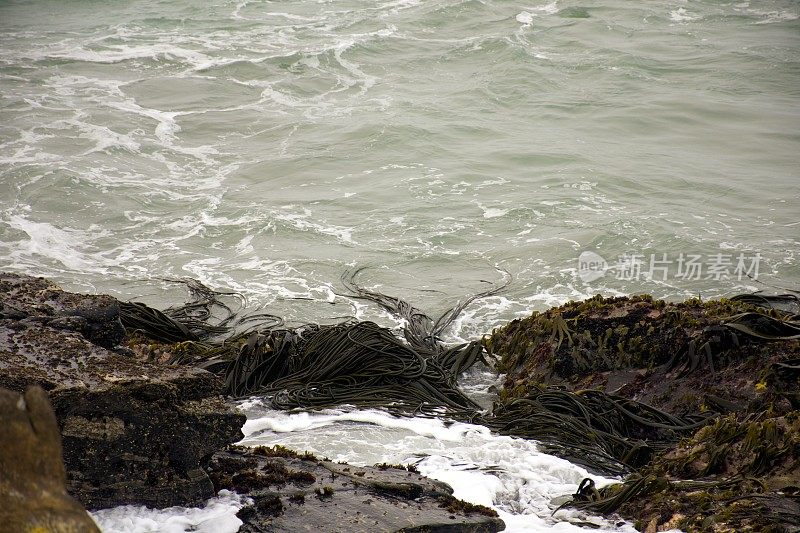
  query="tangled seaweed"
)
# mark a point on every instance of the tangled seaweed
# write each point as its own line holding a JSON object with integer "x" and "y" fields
{"x": 362, "y": 364}
{"x": 357, "y": 363}
{"x": 420, "y": 330}
{"x": 316, "y": 366}
{"x": 598, "y": 430}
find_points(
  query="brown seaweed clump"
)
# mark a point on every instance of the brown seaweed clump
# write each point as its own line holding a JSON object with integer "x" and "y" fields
{"x": 697, "y": 401}
{"x": 685, "y": 358}
{"x": 731, "y": 475}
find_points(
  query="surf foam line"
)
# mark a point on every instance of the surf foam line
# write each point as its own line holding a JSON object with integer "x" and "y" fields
{"x": 218, "y": 515}
{"x": 511, "y": 475}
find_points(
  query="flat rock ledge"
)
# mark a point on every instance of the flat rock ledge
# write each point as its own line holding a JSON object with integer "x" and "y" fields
{"x": 133, "y": 432}
{"x": 291, "y": 492}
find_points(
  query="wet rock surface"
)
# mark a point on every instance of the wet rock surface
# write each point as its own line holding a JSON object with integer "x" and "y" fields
{"x": 37, "y": 301}
{"x": 33, "y": 495}
{"x": 294, "y": 492}
{"x": 133, "y": 432}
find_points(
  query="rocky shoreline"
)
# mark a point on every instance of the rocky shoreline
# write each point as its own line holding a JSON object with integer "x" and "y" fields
{"x": 133, "y": 432}
{"x": 137, "y": 431}
{"x": 695, "y": 404}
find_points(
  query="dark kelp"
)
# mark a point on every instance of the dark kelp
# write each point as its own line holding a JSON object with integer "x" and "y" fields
{"x": 357, "y": 363}
{"x": 317, "y": 366}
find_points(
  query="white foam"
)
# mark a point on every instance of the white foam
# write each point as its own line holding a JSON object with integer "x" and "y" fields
{"x": 46, "y": 241}
{"x": 551, "y": 8}
{"x": 494, "y": 212}
{"x": 24, "y": 150}
{"x": 245, "y": 246}
{"x": 525, "y": 18}
{"x": 281, "y": 422}
{"x": 506, "y": 473}
{"x": 680, "y": 15}
{"x": 236, "y": 14}
{"x": 124, "y": 52}
{"x": 770, "y": 17}
{"x": 218, "y": 515}
{"x": 481, "y": 316}
{"x": 302, "y": 221}
{"x": 104, "y": 138}
{"x": 365, "y": 80}
{"x": 491, "y": 212}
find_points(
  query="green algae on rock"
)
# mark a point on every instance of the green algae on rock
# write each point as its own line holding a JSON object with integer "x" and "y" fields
{"x": 652, "y": 351}
{"x": 731, "y": 475}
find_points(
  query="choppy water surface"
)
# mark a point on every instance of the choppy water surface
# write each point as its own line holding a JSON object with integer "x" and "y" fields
{"x": 267, "y": 146}
{"x": 263, "y": 146}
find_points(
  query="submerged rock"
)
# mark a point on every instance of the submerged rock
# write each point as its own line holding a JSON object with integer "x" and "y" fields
{"x": 292, "y": 492}
{"x": 133, "y": 432}
{"x": 33, "y": 495}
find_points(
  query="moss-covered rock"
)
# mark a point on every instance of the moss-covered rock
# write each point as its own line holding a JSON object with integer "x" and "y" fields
{"x": 705, "y": 394}
{"x": 680, "y": 357}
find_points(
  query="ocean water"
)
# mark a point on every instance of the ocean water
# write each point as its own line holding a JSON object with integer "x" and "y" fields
{"x": 267, "y": 146}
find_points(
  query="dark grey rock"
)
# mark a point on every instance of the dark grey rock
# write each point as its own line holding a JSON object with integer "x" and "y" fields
{"x": 296, "y": 494}
{"x": 95, "y": 317}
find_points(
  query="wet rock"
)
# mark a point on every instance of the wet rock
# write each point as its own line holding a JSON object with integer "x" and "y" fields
{"x": 33, "y": 496}
{"x": 39, "y": 301}
{"x": 293, "y": 492}
{"x": 133, "y": 432}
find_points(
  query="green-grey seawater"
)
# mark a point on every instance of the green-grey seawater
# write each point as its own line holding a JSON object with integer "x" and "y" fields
{"x": 266, "y": 146}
